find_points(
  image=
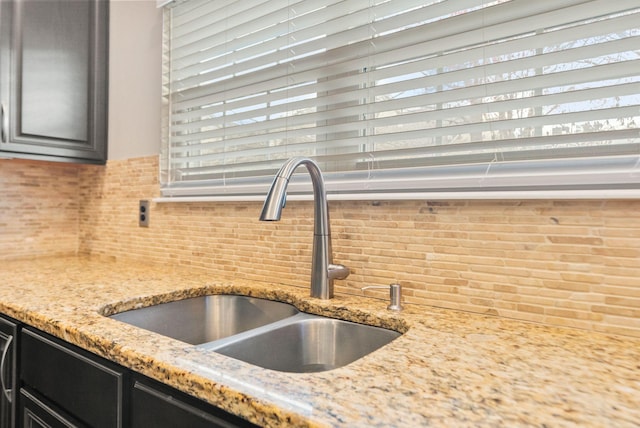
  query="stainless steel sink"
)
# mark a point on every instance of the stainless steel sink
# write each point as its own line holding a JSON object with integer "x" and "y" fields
{"x": 268, "y": 334}
{"x": 308, "y": 343}
{"x": 207, "y": 318}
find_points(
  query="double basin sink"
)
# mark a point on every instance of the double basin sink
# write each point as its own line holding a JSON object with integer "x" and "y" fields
{"x": 265, "y": 333}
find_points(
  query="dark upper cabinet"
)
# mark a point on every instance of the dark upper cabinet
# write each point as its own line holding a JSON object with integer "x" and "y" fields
{"x": 54, "y": 79}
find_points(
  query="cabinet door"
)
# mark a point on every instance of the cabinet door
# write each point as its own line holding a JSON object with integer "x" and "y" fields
{"x": 8, "y": 346}
{"x": 158, "y": 406}
{"x": 54, "y": 79}
{"x": 88, "y": 387}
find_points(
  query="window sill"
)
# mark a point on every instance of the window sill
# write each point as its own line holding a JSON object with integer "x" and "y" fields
{"x": 488, "y": 195}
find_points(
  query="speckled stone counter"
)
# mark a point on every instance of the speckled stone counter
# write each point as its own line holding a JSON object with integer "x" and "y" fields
{"x": 448, "y": 369}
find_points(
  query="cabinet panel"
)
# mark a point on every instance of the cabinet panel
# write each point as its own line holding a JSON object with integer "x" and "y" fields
{"x": 35, "y": 413}
{"x": 55, "y": 38}
{"x": 158, "y": 406}
{"x": 53, "y": 79}
{"x": 92, "y": 391}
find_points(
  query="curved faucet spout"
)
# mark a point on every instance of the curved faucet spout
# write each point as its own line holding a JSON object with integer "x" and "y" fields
{"x": 323, "y": 271}
{"x": 273, "y": 204}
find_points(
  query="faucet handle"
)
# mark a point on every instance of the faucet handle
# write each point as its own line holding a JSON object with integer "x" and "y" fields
{"x": 336, "y": 271}
{"x": 395, "y": 295}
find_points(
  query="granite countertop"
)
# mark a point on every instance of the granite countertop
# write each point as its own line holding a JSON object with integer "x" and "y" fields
{"x": 448, "y": 369}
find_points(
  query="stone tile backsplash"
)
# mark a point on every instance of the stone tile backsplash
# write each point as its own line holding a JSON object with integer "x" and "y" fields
{"x": 568, "y": 263}
{"x": 39, "y": 209}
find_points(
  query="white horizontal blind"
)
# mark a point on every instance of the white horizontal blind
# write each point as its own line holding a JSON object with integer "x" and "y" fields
{"x": 402, "y": 96}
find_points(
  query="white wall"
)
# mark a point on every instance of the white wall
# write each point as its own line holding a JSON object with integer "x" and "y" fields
{"x": 135, "y": 65}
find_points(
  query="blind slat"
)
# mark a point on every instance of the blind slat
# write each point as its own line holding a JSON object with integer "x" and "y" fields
{"x": 255, "y": 83}
{"x": 455, "y": 130}
{"x": 469, "y": 153}
{"x": 400, "y": 87}
{"x": 354, "y": 40}
{"x": 486, "y": 91}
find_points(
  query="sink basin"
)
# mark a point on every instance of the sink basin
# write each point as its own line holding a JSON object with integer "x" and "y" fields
{"x": 308, "y": 343}
{"x": 268, "y": 334}
{"x": 207, "y": 318}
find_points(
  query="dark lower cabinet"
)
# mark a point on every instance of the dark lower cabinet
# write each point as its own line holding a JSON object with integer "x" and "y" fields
{"x": 8, "y": 372}
{"x": 62, "y": 385}
{"x": 92, "y": 390}
{"x": 156, "y": 405}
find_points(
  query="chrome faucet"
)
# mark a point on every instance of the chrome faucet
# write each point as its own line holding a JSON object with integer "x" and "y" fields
{"x": 323, "y": 271}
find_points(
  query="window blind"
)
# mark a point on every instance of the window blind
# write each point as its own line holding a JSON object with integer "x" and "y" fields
{"x": 402, "y": 96}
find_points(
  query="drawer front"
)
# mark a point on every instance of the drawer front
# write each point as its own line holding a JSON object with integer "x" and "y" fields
{"x": 81, "y": 384}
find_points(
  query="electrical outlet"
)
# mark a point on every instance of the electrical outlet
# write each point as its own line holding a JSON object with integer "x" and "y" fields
{"x": 143, "y": 213}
